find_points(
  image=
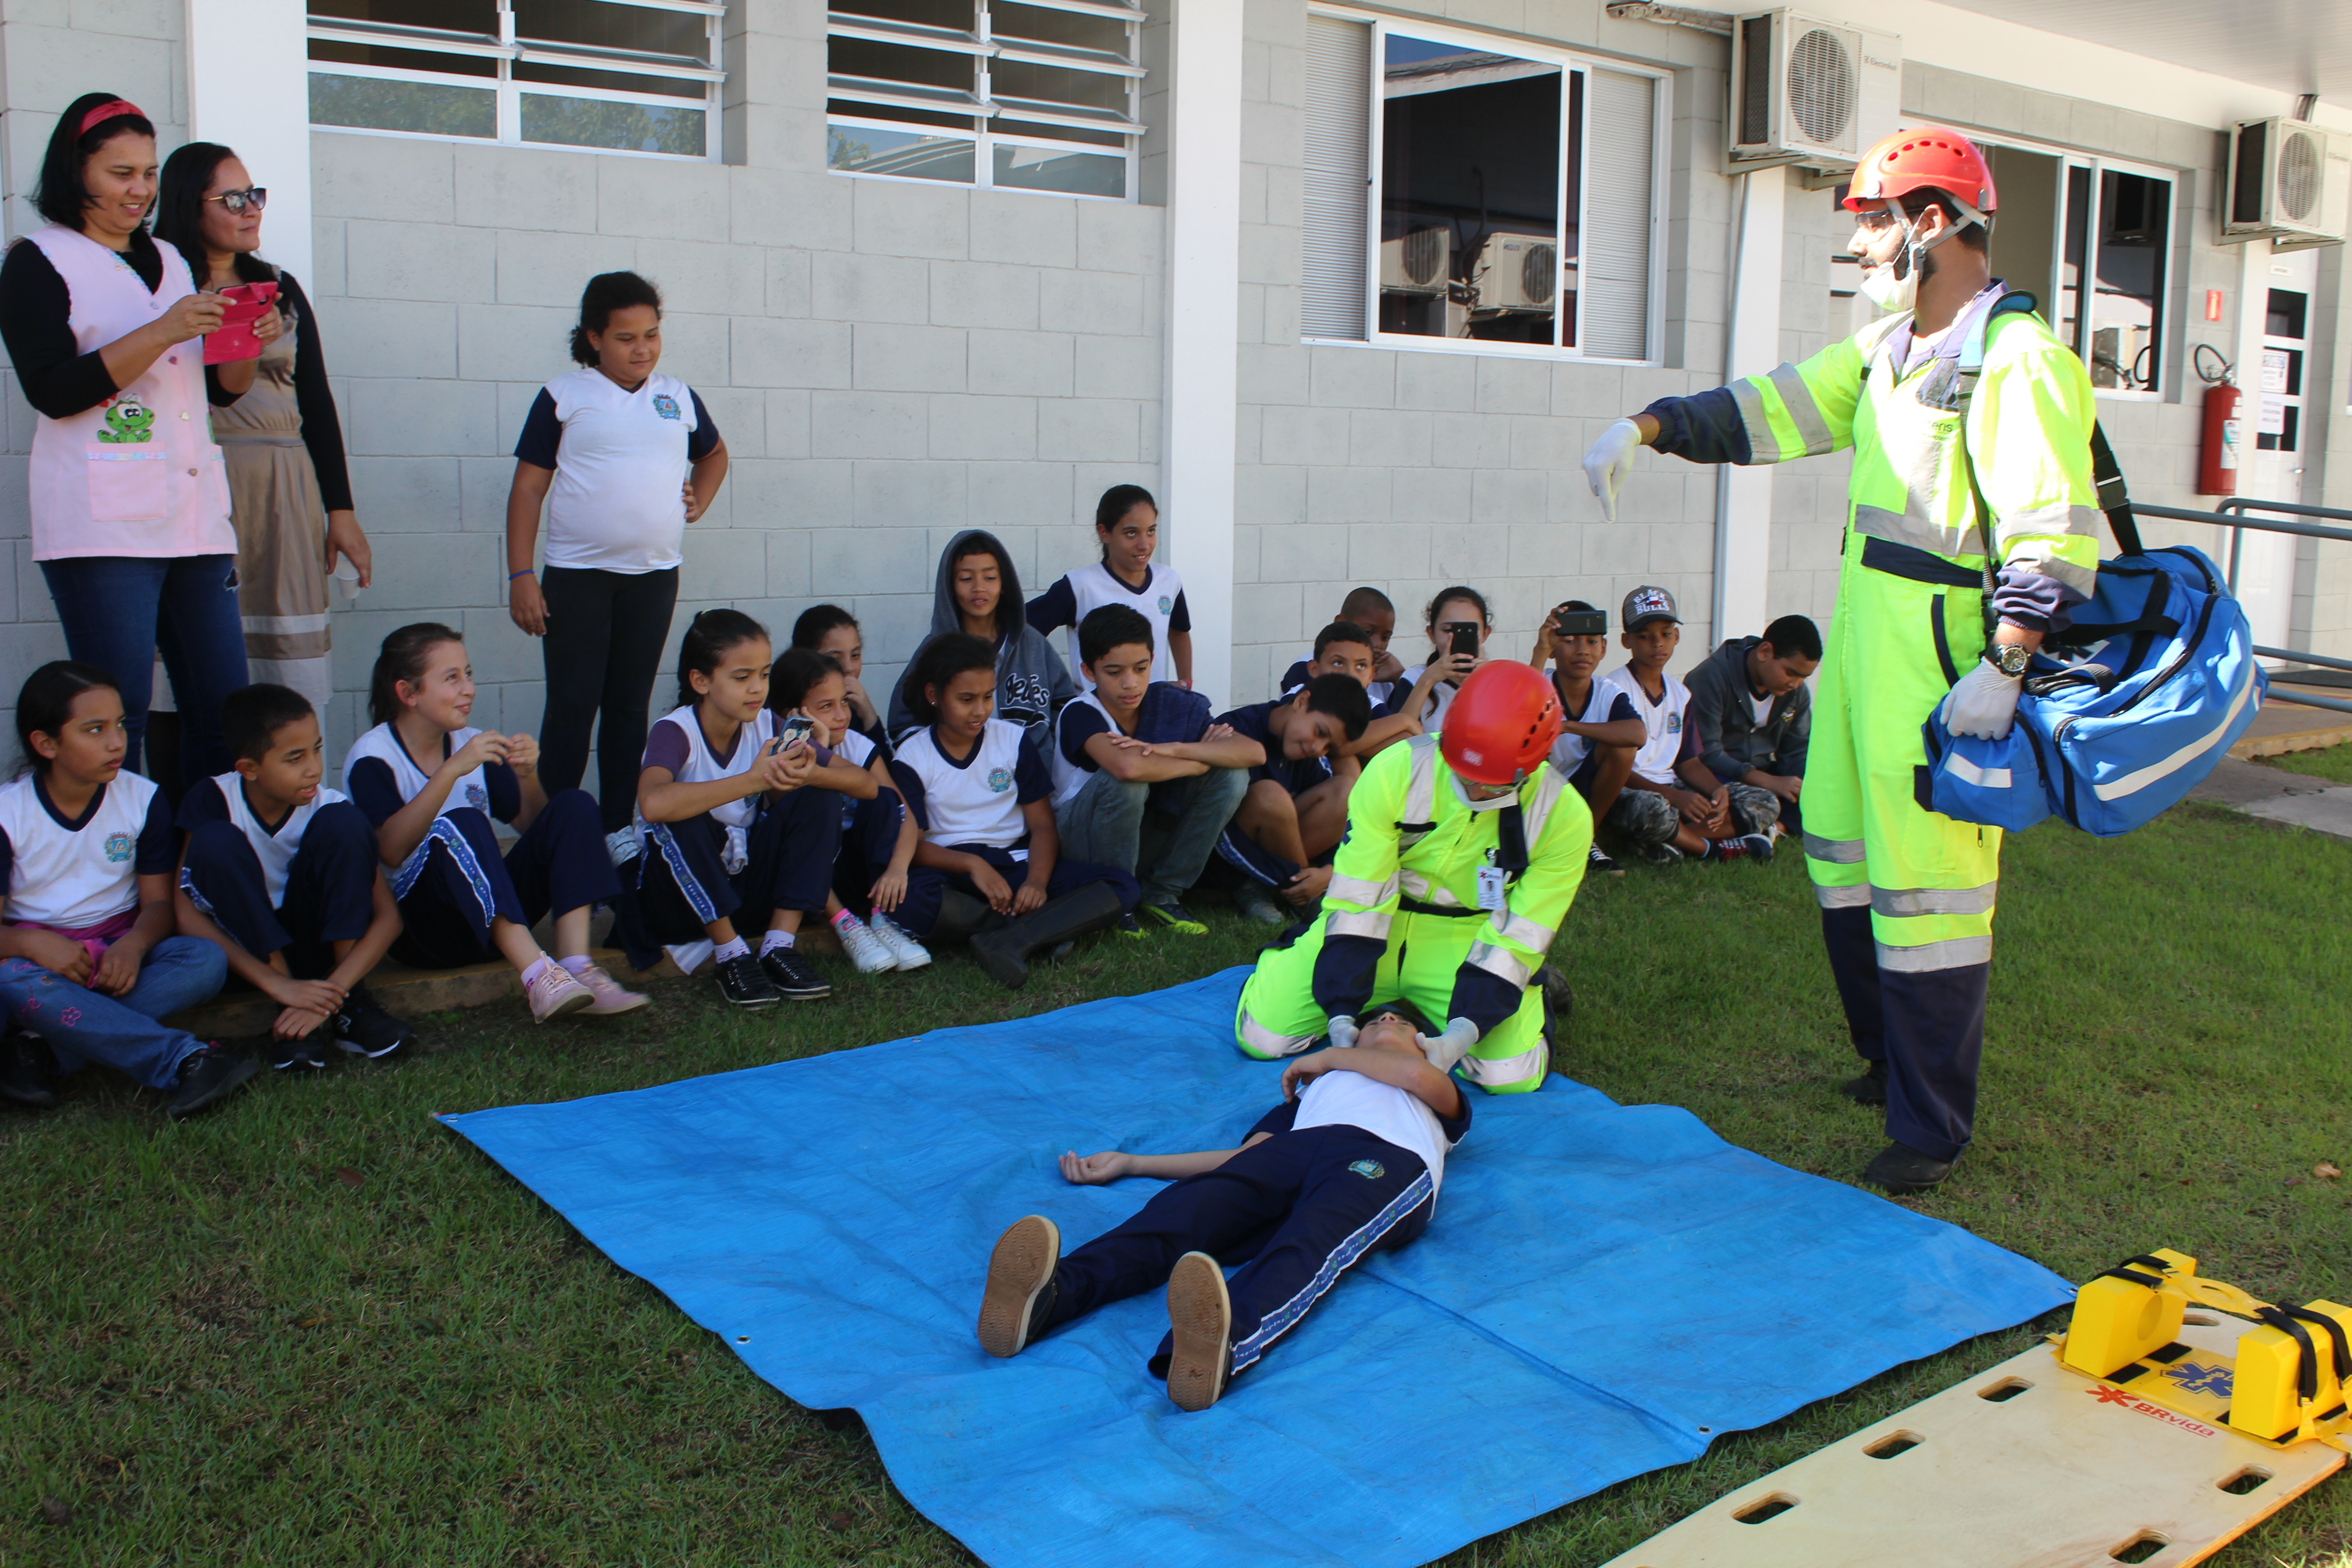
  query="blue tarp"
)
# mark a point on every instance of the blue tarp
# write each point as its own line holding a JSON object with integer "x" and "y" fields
{"x": 1604, "y": 1287}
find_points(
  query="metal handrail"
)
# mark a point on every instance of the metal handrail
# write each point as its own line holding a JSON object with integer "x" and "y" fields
{"x": 2231, "y": 514}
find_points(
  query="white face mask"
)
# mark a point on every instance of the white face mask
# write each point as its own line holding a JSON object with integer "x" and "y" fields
{"x": 1895, "y": 286}
{"x": 1491, "y": 802}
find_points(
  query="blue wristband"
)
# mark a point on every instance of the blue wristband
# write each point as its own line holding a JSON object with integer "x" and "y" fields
{"x": 524, "y": 572}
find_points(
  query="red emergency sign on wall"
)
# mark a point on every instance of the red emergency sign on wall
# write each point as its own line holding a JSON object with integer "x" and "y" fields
{"x": 2213, "y": 304}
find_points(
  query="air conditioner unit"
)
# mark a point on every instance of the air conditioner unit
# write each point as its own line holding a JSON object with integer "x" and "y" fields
{"x": 1517, "y": 272}
{"x": 1417, "y": 263}
{"x": 1808, "y": 91}
{"x": 2287, "y": 180}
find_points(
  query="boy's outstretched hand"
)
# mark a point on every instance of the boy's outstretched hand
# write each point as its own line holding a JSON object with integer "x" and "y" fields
{"x": 1096, "y": 1170}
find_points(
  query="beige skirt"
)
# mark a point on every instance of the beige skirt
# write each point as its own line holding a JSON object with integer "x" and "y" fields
{"x": 281, "y": 560}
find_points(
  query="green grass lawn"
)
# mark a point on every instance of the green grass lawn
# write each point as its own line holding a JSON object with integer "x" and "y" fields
{"x": 2331, "y": 763}
{"x": 316, "y": 1328}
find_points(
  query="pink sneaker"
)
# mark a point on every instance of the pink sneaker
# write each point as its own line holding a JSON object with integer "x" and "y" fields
{"x": 556, "y": 992}
{"x": 611, "y": 996}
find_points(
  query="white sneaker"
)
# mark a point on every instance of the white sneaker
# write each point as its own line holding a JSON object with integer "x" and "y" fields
{"x": 869, "y": 954}
{"x": 909, "y": 953}
{"x": 621, "y": 846}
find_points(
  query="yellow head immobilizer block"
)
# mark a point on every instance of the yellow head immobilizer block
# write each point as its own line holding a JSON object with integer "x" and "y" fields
{"x": 2117, "y": 1320}
{"x": 2267, "y": 1401}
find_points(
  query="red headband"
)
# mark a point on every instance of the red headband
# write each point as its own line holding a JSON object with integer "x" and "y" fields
{"x": 111, "y": 110}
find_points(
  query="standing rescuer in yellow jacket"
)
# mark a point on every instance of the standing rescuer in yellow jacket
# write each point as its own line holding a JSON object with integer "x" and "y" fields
{"x": 1461, "y": 853}
{"x": 1968, "y": 536}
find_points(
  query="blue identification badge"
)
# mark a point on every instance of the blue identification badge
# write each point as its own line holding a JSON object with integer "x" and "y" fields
{"x": 1492, "y": 882}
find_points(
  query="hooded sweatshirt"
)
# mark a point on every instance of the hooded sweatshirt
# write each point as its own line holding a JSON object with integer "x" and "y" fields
{"x": 1722, "y": 707}
{"x": 1032, "y": 681}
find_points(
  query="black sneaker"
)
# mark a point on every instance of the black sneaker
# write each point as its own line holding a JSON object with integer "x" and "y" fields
{"x": 26, "y": 1067}
{"x": 305, "y": 1052}
{"x": 365, "y": 1029}
{"x": 794, "y": 977}
{"x": 1756, "y": 846}
{"x": 211, "y": 1075}
{"x": 1597, "y": 863}
{"x": 743, "y": 981}
{"x": 1658, "y": 853}
{"x": 1901, "y": 1169}
{"x": 1128, "y": 926}
{"x": 1870, "y": 1088}
{"x": 1020, "y": 1291}
{"x": 1173, "y": 916}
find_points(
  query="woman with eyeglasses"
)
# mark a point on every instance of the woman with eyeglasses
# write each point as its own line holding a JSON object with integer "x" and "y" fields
{"x": 289, "y": 489}
{"x": 104, "y": 324}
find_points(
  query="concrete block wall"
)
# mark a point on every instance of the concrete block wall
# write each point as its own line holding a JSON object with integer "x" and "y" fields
{"x": 1410, "y": 469}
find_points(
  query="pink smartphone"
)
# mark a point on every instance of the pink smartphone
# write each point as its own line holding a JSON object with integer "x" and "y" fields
{"x": 245, "y": 304}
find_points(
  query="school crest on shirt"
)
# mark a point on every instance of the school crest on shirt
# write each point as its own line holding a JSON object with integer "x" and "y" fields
{"x": 1165, "y": 603}
{"x": 1674, "y": 724}
{"x": 118, "y": 847}
{"x": 666, "y": 405}
{"x": 1370, "y": 1170}
{"x": 477, "y": 797}
{"x": 1000, "y": 779}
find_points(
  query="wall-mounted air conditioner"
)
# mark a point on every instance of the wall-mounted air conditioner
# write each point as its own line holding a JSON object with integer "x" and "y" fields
{"x": 1808, "y": 91}
{"x": 1517, "y": 272}
{"x": 1417, "y": 263}
{"x": 2289, "y": 180}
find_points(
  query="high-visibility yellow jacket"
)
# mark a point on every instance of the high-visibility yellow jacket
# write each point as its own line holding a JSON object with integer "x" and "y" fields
{"x": 1414, "y": 845}
{"x": 2026, "y": 442}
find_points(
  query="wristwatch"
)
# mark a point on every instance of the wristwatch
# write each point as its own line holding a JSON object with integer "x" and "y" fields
{"x": 2010, "y": 659}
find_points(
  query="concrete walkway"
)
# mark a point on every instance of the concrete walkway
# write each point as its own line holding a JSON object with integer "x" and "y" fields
{"x": 2277, "y": 795}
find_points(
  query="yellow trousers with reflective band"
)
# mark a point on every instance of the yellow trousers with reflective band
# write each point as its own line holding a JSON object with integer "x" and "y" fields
{"x": 1278, "y": 1017}
{"x": 1928, "y": 881}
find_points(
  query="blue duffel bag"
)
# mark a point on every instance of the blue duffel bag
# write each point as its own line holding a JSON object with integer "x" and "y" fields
{"x": 2122, "y": 714}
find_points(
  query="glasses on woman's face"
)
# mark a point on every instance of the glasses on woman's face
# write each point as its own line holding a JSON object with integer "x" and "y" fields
{"x": 237, "y": 202}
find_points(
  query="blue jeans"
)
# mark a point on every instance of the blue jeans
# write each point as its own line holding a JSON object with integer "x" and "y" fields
{"x": 1162, "y": 832}
{"x": 120, "y": 611}
{"x": 83, "y": 1026}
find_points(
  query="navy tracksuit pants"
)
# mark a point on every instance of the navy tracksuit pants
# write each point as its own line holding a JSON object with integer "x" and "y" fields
{"x": 869, "y": 836}
{"x": 329, "y": 888}
{"x": 1295, "y": 1211}
{"x": 1928, "y": 1029}
{"x": 920, "y": 910}
{"x": 456, "y": 882}
{"x": 683, "y": 884}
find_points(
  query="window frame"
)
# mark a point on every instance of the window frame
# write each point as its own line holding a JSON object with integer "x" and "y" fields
{"x": 2169, "y": 299}
{"x": 1569, "y": 60}
{"x": 508, "y": 91}
{"x": 983, "y": 46}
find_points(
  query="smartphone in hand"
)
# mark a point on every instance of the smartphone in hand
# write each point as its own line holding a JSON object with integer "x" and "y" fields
{"x": 792, "y": 731}
{"x": 1464, "y": 635}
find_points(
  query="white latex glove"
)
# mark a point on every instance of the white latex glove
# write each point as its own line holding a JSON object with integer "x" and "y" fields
{"x": 1610, "y": 462}
{"x": 1984, "y": 704}
{"x": 1444, "y": 1050}
{"x": 1343, "y": 1033}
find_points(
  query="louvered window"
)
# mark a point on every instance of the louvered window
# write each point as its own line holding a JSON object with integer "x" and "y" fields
{"x": 1467, "y": 189}
{"x": 626, "y": 76}
{"x": 1037, "y": 96}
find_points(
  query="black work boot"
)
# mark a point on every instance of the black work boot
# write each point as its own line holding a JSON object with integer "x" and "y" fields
{"x": 961, "y": 918}
{"x": 1870, "y": 1088}
{"x": 1005, "y": 951}
{"x": 1901, "y": 1169}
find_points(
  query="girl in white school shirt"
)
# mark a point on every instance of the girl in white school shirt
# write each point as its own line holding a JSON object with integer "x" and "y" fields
{"x": 622, "y": 457}
{"x": 1127, "y": 526}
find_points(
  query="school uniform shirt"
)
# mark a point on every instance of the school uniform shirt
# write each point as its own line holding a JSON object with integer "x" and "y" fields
{"x": 621, "y": 460}
{"x": 676, "y": 741}
{"x": 74, "y": 873}
{"x": 1665, "y": 721}
{"x": 1440, "y": 697}
{"x": 977, "y": 801}
{"x": 1168, "y": 714}
{"x": 1297, "y": 777}
{"x": 1604, "y": 704}
{"x": 222, "y": 799}
{"x": 380, "y": 777}
{"x": 1384, "y": 694}
{"x": 1160, "y": 600}
{"x": 1344, "y": 1099}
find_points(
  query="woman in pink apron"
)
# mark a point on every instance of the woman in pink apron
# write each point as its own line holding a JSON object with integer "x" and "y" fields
{"x": 130, "y": 504}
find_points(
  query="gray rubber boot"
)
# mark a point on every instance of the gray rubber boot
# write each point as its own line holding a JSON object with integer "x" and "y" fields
{"x": 1005, "y": 951}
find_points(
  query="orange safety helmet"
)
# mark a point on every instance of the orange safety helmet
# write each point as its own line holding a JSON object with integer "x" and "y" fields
{"x": 1501, "y": 724}
{"x": 1925, "y": 157}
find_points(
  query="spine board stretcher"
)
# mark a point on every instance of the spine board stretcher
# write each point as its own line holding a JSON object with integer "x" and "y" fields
{"x": 2152, "y": 1432}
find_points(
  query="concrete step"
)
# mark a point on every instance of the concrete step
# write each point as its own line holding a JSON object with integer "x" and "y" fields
{"x": 2277, "y": 795}
{"x": 2283, "y": 726}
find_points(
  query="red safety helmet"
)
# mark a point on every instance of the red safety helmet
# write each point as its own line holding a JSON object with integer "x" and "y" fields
{"x": 1501, "y": 724}
{"x": 1925, "y": 157}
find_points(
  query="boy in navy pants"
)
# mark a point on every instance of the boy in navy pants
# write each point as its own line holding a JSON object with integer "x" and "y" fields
{"x": 282, "y": 873}
{"x": 1349, "y": 1163}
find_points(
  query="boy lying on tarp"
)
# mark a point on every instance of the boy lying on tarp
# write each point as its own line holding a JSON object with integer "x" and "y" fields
{"x": 1348, "y": 1162}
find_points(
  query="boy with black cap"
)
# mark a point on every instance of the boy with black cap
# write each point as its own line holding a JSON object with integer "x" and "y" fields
{"x": 1672, "y": 807}
{"x": 1599, "y": 728}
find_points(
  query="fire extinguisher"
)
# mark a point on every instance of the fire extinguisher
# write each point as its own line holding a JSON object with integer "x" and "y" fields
{"x": 2217, "y": 461}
